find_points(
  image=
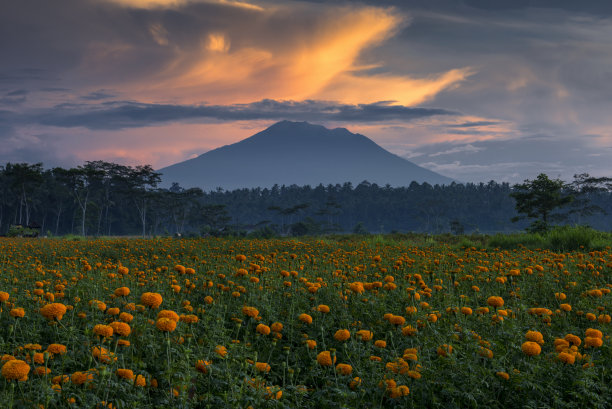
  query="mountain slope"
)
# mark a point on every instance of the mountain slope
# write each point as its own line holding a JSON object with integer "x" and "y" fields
{"x": 297, "y": 153}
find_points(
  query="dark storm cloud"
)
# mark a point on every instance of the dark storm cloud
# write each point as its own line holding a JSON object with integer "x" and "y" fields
{"x": 120, "y": 115}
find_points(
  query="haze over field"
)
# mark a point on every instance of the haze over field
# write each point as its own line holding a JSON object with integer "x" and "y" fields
{"x": 473, "y": 89}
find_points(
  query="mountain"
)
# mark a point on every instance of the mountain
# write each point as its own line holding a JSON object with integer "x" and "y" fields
{"x": 298, "y": 153}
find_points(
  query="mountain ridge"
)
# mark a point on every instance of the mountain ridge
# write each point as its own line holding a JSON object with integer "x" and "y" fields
{"x": 298, "y": 153}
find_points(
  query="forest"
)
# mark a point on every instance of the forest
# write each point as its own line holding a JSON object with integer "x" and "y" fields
{"x": 106, "y": 199}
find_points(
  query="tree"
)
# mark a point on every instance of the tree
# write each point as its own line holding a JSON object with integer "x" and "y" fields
{"x": 538, "y": 199}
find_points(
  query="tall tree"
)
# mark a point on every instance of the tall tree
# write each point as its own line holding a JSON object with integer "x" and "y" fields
{"x": 142, "y": 181}
{"x": 538, "y": 199}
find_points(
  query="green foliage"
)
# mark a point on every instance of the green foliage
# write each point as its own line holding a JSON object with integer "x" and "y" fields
{"x": 538, "y": 199}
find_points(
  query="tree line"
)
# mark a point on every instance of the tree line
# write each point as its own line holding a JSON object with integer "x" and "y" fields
{"x": 102, "y": 198}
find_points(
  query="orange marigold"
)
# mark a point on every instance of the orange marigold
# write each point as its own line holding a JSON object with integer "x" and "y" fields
{"x": 16, "y": 369}
{"x": 531, "y": 348}
{"x": 202, "y": 366}
{"x": 262, "y": 367}
{"x": 17, "y": 312}
{"x": 325, "y": 358}
{"x": 168, "y": 314}
{"x": 53, "y": 311}
{"x": 125, "y": 373}
{"x": 305, "y": 318}
{"x": 103, "y": 330}
{"x": 365, "y": 335}
{"x": 342, "y": 335}
{"x": 121, "y": 328}
{"x": 263, "y": 329}
{"x": 166, "y": 324}
{"x": 344, "y": 369}
{"x": 56, "y": 349}
{"x": 535, "y": 336}
{"x": 152, "y": 300}
{"x": 494, "y": 301}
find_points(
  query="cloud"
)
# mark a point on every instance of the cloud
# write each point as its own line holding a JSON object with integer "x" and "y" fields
{"x": 222, "y": 52}
{"x": 515, "y": 159}
{"x": 457, "y": 149}
{"x": 97, "y": 95}
{"x": 120, "y": 115}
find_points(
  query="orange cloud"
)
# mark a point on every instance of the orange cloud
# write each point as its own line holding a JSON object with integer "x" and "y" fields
{"x": 241, "y": 63}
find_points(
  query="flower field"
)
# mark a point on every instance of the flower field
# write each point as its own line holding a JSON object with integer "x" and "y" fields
{"x": 129, "y": 323}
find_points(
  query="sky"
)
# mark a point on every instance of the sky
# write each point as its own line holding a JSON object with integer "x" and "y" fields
{"x": 476, "y": 90}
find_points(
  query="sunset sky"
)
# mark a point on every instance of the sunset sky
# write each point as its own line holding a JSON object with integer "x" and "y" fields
{"x": 473, "y": 89}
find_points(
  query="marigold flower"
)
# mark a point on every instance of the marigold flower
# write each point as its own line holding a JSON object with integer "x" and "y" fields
{"x": 189, "y": 318}
{"x": 380, "y": 343}
{"x": 103, "y": 355}
{"x": 357, "y": 287}
{"x": 122, "y": 292}
{"x": 397, "y": 320}
{"x": 56, "y": 349}
{"x": 355, "y": 383}
{"x": 151, "y": 300}
{"x": 503, "y": 375}
{"x": 311, "y": 343}
{"x": 494, "y": 301}
{"x": 38, "y": 358}
{"x": 342, "y": 335}
{"x": 121, "y": 328}
{"x": 79, "y": 378}
{"x": 566, "y": 357}
{"x": 125, "y": 373}
{"x": 445, "y": 350}
{"x": 531, "y": 348}
{"x": 202, "y": 366}
{"x": 566, "y": 307}
{"x": 4, "y": 296}
{"x": 534, "y": 336}
{"x": 305, "y": 318}
{"x": 126, "y": 317}
{"x": 250, "y": 312}
{"x": 276, "y": 327}
{"x": 103, "y": 330}
{"x": 53, "y": 311}
{"x": 323, "y": 308}
{"x": 344, "y": 369}
{"x": 325, "y": 358}
{"x": 594, "y": 333}
{"x": 166, "y": 324}
{"x": 168, "y": 314}
{"x": 113, "y": 311}
{"x": 364, "y": 335}
{"x": 593, "y": 342}
{"x": 221, "y": 351}
{"x": 17, "y": 312}
{"x": 399, "y": 391}
{"x": 262, "y": 329}
{"x": 42, "y": 371}
{"x": 409, "y": 331}
{"x": 466, "y": 311}
{"x": 140, "y": 381}
{"x": 262, "y": 367}
{"x": 15, "y": 369}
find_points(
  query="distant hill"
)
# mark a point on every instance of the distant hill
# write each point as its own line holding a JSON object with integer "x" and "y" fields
{"x": 297, "y": 153}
